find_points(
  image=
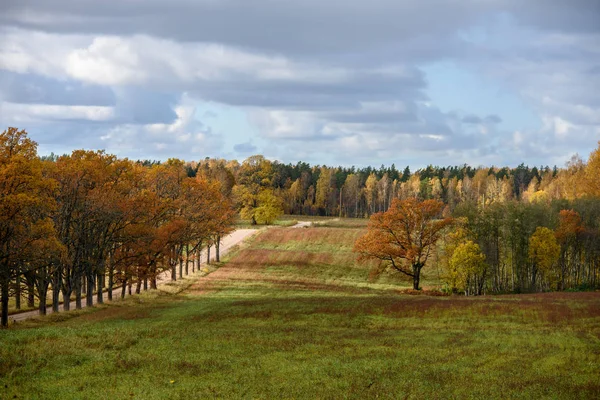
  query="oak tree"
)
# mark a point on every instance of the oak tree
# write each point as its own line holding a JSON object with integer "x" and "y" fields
{"x": 403, "y": 237}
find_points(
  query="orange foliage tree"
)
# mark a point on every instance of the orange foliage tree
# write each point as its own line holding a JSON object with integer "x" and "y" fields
{"x": 403, "y": 237}
{"x": 568, "y": 234}
{"x": 25, "y": 205}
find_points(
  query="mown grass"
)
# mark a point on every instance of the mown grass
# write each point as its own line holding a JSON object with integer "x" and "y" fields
{"x": 292, "y": 316}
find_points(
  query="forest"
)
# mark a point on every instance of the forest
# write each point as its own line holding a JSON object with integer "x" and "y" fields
{"x": 77, "y": 224}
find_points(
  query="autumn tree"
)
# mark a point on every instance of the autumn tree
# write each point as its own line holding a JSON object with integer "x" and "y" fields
{"x": 403, "y": 237}
{"x": 25, "y": 203}
{"x": 543, "y": 254}
{"x": 467, "y": 265}
{"x": 324, "y": 189}
{"x": 255, "y": 176}
{"x": 592, "y": 173}
{"x": 568, "y": 234}
{"x": 351, "y": 195}
{"x": 87, "y": 219}
{"x": 268, "y": 208}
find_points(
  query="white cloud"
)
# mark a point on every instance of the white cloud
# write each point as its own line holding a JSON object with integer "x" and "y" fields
{"x": 107, "y": 61}
{"x": 32, "y": 112}
{"x": 37, "y": 52}
{"x": 186, "y": 137}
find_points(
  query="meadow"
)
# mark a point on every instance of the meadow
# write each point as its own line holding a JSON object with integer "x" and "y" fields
{"x": 290, "y": 314}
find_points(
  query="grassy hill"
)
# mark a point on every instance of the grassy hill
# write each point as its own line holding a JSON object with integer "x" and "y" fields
{"x": 291, "y": 315}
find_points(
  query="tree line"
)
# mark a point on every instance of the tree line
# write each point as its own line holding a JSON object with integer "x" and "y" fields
{"x": 302, "y": 189}
{"x": 516, "y": 229}
{"x": 85, "y": 223}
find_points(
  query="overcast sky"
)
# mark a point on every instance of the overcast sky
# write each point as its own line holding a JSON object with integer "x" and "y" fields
{"x": 351, "y": 82}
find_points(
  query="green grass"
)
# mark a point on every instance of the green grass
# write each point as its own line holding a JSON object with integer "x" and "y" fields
{"x": 291, "y": 315}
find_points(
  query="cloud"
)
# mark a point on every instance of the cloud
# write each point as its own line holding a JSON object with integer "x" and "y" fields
{"x": 492, "y": 119}
{"x": 32, "y": 88}
{"x": 471, "y": 119}
{"x": 185, "y": 137}
{"x": 23, "y": 112}
{"x": 245, "y": 148}
{"x": 319, "y": 80}
{"x": 301, "y": 27}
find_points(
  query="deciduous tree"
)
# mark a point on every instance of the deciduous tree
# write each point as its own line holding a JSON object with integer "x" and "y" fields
{"x": 25, "y": 203}
{"x": 403, "y": 237}
{"x": 543, "y": 254}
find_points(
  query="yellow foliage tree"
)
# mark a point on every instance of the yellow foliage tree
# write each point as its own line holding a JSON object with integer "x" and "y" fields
{"x": 592, "y": 173}
{"x": 467, "y": 266}
{"x": 269, "y": 207}
{"x": 544, "y": 251}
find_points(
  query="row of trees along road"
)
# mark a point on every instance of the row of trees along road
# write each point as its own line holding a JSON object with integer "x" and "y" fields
{"x": 80, "y": 223}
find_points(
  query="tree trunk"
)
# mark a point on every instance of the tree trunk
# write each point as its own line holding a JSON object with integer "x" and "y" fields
{"x": 207, "y": 255}
{"x": 4, "y": 297}
{"x": 138, "y": 286}
{"x": 66, "y": 293}
{"x": 218, "y": 248}
{"x": 89, "y": 296}
{"x": 533, "y": 278}
{"x": 100, "y": 289}
{"x": 123, "y": 289}
{"x": 18, "y": 292}
{"x": 30, "y": 279}
{"x": 153, "y": 282}
{"x": 199, "y": 257}
{"x": 180, "y": 267}
{"x": 187, "y": 259}
{"x": 111, "y": 271}
{"x": 78, "y": 292}
{"x": 55, "y": 292}
{"x": 43, "y": 292}
{"x": 145, "y": 284}
{"x": 416, "y": 275}
{"x": 173, "y": 271}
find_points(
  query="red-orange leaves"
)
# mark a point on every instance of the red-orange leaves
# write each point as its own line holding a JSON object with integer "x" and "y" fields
{"x": 403, "y": 236}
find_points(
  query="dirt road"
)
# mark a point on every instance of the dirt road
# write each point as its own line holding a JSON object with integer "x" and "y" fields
{"x": 301, "y": 224}
{"x": 236, "y": 237}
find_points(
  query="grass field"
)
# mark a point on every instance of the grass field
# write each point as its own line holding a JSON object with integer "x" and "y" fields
{"x": 291, "y": 315}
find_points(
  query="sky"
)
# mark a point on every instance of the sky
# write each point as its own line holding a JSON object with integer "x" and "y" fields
{"x": 334, "y": 82}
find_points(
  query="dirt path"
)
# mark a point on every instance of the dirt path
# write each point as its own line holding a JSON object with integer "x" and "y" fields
{"x": 301, "y": 224}
{"x": 234, "y": 238}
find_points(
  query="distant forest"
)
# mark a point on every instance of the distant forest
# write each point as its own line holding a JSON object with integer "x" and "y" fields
{"x": 360, "y": 192}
